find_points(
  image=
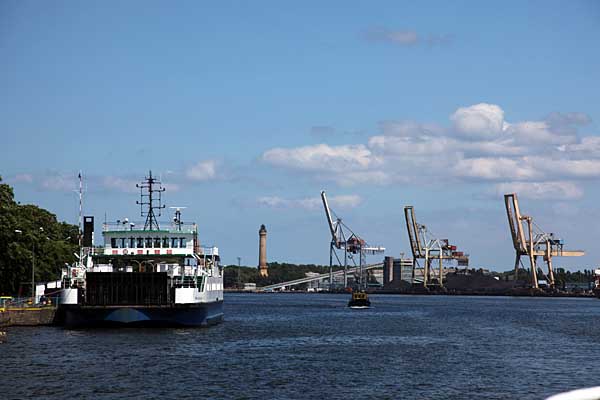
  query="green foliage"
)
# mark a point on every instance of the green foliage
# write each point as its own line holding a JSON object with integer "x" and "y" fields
{"x": 278, "y": 272}
{"x": 231, "y": 273}
{"x": 561, "y": 275}
{"x": 52, "y": 246}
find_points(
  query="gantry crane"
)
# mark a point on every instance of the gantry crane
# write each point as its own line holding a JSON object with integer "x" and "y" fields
{"x": 428, "y": 248}
{"x": 343, "y": 240}
{"x": 533, "y": 243}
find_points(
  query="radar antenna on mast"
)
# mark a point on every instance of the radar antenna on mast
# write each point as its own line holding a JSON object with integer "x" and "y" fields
{"x": 177, "y": 218}
{"x": 148, "y": 199}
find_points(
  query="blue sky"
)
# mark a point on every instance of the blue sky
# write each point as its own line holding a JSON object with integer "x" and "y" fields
{"x": 247, "y": 110}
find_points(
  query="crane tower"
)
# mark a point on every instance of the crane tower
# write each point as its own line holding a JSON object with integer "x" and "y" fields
{"x": 533, "y": 242}
{"x": 345, "y": 246}
{"x": 426, "y": 247}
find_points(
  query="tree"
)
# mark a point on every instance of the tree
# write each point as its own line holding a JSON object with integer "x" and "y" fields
{"x": 53, "y": 244}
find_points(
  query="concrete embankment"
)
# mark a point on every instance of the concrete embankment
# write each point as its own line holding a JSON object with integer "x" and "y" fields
{"x": 28, "y": 316}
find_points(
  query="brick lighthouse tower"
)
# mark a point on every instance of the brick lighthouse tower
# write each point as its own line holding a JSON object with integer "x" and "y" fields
{"x": 262, "y": 252}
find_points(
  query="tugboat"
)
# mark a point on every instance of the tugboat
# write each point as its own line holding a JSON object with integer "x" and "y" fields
{"x": 150, "y": 276}
{"x": 359, "y": 300}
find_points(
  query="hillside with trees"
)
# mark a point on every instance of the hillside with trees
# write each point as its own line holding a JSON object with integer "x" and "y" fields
{"x": 278, "y": 272}
{"x": 28, "y": 233}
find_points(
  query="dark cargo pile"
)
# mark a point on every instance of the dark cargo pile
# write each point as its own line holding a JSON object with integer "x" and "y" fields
{"x": 476, "y": 282}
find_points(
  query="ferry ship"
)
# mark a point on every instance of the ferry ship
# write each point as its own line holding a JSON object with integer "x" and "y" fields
{"x": 153, "y": 276}
{"x": 596, "y": 289}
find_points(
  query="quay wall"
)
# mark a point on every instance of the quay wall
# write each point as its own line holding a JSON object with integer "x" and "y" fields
{"x": 28, "y": 316}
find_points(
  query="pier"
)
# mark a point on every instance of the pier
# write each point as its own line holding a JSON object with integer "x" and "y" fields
{"x": 23, "y": 312}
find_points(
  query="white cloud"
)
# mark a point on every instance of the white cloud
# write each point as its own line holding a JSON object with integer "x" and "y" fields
{"x": 409, "y": 128}
{"x": 559, "y": 190}
{"x": 346, "y": 201}
{"x": 410, "y": 147}
{"x": 346, "y": 165}
{"x": 59, "y": 182}
{"x": 399, "y": 37}
{"x": 402, "y": 37}
{"x": 128, "y": 185}
{"x": 495, "y": 169}
{"x": 538, "y": 133}
{"x": 202, "y": 171}
{"x": 567, "y": 122}
{"x": 566, "y": 167}
{"x": 312, "y": 203}
{"x": 375, "y": 177}
{"x": 322, "y": 157}
{"x": 482, "y": 146}
{"x": 480, "y": 121}
{"x": 406, "y": 37}
{"x": 588, "y": 147}
{"x": 426, "y": 145}
{"x": 22, "y": 178}
{"x": 120, "y": 184}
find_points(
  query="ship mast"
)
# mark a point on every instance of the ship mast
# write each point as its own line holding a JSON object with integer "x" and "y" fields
{"x": 80, "y": 209}
{"x": 148, "y": 188}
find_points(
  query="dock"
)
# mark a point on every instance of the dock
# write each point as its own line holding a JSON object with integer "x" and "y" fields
{"x": 21, "y": 312}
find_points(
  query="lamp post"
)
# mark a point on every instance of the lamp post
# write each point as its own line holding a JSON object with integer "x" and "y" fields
{"x": 238, "y": 272}
{"x": 32, "y": 263}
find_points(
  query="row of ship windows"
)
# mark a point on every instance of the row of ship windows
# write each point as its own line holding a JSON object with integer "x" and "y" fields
{"x": 149, "y": 243}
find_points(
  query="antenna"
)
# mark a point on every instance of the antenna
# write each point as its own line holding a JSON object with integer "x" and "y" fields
{"x": 80, "y": 206}
{"x": 148, "y": 199}
{"x": 177, "y": 218}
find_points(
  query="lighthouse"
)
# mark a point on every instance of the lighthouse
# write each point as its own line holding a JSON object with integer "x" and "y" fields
{"x": 262, "y": 252}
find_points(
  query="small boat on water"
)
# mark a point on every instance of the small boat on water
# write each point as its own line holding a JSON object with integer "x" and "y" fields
{"x": 359, "y": 300}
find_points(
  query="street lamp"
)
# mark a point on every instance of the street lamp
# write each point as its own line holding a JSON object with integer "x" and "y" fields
{"x": 32, "y": 264}
{"x": 238, "y": 271}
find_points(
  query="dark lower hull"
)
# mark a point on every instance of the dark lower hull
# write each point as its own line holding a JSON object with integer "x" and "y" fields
{"x": 359, "y": 303}
{"x": 184, "y": 315}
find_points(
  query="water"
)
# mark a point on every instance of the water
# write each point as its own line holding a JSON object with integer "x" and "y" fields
{"x": 291, "y": 346}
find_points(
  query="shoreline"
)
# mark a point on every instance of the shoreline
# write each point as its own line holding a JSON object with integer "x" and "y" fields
{"x": 509, "y": 293}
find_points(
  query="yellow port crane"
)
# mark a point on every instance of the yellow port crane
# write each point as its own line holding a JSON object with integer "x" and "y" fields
{"x": 534, "y": 242}
{"x": 428, "y": 248}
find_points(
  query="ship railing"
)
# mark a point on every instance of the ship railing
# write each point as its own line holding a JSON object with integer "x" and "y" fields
{"x": 126, "y": 226}
{"x": 23, "y": 303}
{"x": 97, "y": 250}
{"x": 185, "y": 281}
{"x": 209, "y": 251}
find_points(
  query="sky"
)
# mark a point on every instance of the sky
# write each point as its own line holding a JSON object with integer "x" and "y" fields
{"x": 247, "y": 110}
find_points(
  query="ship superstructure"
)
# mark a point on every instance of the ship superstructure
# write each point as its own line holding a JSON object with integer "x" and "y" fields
{"x": 144, "y": 274}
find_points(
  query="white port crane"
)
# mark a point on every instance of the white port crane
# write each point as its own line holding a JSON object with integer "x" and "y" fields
{"x": 427, "y": 247}
{"x": 344, "y": 246}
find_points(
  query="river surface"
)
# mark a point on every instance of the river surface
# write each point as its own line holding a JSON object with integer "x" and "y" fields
{"x": 293, "y": 346}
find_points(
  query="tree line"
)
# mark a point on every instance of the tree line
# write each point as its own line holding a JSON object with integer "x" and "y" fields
{"x": 31, "y": 234}
{"x": 278, "y": 272}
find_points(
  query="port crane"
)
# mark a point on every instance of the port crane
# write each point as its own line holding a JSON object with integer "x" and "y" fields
{"x": 345, "y": 247}
{"x": 533, "y": 242}
{"x": 426, "y": 247}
